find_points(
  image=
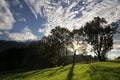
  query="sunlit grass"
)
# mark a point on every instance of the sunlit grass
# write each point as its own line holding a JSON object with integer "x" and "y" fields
{"x": 93, "y": 71}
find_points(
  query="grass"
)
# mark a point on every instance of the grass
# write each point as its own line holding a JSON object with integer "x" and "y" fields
{"x": 93, "y": 71}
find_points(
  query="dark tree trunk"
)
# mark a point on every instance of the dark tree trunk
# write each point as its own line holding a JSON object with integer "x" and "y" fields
{"x": 103, "y": 57}
{"x": 74, "y": 58}
{"x": 65, "y": 57}
{"x": 99, "y": 56}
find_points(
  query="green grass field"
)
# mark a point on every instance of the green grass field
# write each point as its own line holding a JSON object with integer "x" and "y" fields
{"x": 92, "y": 71}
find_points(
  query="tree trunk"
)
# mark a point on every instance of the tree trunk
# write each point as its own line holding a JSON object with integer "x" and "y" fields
{"x": 99, "y": 56}
{"x": 66, "y": 56}
{"x": 103, "y": 57}
{"x": 74, "y": 58}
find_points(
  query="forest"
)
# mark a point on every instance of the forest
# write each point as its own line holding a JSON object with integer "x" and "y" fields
{"x": 62, "y": 47}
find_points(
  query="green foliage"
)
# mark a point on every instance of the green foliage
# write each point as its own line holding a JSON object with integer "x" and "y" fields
{"x": 57, "y": 41}
{"x": 100, "y": 36}
{"x": 93, "y": 71}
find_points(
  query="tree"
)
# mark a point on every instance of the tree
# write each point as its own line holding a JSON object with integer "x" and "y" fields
{"x": 57, "y": 41}
{"x": 76, "y": 43}
{"x": 100, "y": 36}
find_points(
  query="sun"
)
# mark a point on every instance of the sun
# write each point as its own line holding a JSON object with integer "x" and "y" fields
{"x": 78, "y": 47}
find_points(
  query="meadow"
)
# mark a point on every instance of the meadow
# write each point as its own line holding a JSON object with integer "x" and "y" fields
{"x": 91, "y": 71}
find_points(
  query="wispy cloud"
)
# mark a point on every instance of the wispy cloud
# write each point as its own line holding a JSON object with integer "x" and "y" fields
{"x": 26, "y": 34}
{"x": 17, "y": 2}
{"x": 70, "y": 14}
{"x": 116, "y": 47}
{"x": 74, "y": 13}
{"x": 6, "y": 17}
{"x": 22, "y": 19}
{"x": 1, "y": 33}
{"x": 113, "y": 55}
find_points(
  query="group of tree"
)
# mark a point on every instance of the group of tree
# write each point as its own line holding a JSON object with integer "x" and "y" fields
{"x": 53, "y": 49}
{"x": 96, "y": 33}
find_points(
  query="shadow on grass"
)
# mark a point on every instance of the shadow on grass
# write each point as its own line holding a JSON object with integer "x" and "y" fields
{"x": 26, "y": 74}
{"x": 30, "y": 74}
{"x": 55, "y": 71}
{"x": 103, "y": 73}
{"x": 70, "y": 74}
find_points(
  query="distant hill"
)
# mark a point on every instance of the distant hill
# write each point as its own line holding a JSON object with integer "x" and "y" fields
{"x": 10, "y": 44}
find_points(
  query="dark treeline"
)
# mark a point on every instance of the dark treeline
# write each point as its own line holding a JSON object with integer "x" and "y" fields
{"x": 52, "y": 50}
{"x": 37, "y": 55}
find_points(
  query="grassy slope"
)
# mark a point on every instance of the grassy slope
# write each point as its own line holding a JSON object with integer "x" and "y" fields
{"x": 93, "y": 71}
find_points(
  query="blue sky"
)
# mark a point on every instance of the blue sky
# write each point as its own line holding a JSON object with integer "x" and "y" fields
{"x": 22, "y": 20}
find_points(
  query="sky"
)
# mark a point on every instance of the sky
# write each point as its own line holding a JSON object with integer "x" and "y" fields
{"x": 22, "y": 20}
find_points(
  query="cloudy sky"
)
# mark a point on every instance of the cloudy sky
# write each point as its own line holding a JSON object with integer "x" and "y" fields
{"x": 22, "y": 20}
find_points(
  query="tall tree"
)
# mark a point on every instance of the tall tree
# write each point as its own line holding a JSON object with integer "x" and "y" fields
{"x": 76, "y": 44}
{"x": 57, "y": 41}
{"x": 100, "y": 36}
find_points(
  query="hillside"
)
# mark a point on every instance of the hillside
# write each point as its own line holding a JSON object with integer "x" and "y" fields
{"x": 93, "y": 71}
{"x": 4, "y": 45}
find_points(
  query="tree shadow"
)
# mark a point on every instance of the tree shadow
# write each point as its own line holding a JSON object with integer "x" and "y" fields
{"x": 70, "y": 74}
{"x": 22, "y": 74}
{"x": 30, "y": 74}
{"x": 103, "y": 73}
{"x": 55, "y": 71}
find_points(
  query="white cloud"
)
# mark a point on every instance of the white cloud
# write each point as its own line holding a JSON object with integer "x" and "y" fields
{"x": 6, "y": 17}
{"x": 116, "y": 46}
{"x": 26, "y": 34}
{"x": 116, "y": 50}
{"x": 17, "y": 2}
{"x": 41, "y": 30}
{"x": 19, "y": 17}
{"x": 113, "y": 55}
{"x": 116, "y": 41}
{"x": 110, "y": 55}
{"x": 64, "y": 15}
{"x": 73, "y": 13}
{"x": 1, "y": 33}
{"x": 109, "y": 9}
{"x": 22, "y": 19}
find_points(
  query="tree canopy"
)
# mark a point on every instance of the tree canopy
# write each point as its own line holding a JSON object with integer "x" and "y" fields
{"x": 100, "y": 36}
